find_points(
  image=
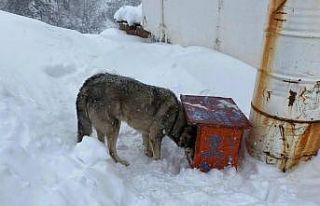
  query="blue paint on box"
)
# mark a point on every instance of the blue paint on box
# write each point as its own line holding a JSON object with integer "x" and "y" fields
{"x": 214, "y": 152}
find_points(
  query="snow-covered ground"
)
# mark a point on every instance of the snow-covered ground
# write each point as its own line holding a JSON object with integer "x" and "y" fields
{"x": 41, "y": 69}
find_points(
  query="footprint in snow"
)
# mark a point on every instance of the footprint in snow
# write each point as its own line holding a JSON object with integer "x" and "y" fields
{"x": 59, "y": 70}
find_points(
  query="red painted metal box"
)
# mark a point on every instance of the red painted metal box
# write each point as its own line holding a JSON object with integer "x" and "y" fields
{"x": 220, "y": 125}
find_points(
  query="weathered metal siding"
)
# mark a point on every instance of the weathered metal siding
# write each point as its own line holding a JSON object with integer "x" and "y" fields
{"x": 286, "y": 103}
{"x": 190, "y": 22}
{"x": 232, "y": 27}
{"x": 152, "y": 15}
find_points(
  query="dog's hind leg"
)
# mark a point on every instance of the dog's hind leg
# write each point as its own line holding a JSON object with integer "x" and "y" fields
{"x": 112, "y": 137}
{"x": 146, "y": 144}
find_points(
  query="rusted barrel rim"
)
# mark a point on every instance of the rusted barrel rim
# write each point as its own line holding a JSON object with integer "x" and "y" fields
{"x": 296, "y": 80}
{"x": 282, "y": 118}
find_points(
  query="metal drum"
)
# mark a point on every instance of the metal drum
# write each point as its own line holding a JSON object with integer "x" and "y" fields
{"x": 286, "y": 105}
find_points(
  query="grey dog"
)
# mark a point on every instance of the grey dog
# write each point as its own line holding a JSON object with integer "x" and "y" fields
{"x": 106, "y": 99}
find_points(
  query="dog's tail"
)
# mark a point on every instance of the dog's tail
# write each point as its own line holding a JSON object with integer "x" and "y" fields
{"x": 84, "y": 123}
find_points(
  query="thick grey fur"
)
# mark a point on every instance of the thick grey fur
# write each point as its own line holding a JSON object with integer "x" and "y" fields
{"x": 106, "y": 99}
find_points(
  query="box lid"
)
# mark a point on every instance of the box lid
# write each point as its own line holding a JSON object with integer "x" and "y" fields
{"x": 215, "y": 111}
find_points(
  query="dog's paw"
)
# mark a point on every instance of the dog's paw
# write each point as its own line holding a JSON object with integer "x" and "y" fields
{"x": 148, "y": 153}
{"x": 124, "y": 162}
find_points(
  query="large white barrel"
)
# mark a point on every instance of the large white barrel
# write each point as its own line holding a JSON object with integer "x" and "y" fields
{"x": 286, "y": 105}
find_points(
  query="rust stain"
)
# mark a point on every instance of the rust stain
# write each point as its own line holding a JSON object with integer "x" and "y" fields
{"x": 268, "y": 95}
{"x": 299, "y": 139}
{"x": 292, "y": 98}
{"x": 136, "y": 29}
{"x": 317, "y": 86}
{"x": 302, "y": 94}
{"x": 281, "y": 12}
{"x": 282, "y": 132}
{"x": 309, "y": 142}
{"x": 285, "y": 146}
{"x": 278, "y": 19}
{"x": 275, "y": 21}
{"x": 307, "y": 147}
{"x": 292, "y": 81}
{"x": 306, "y": 94}
{"x": 295, "y": 150}
{"x": 288, "y": 134}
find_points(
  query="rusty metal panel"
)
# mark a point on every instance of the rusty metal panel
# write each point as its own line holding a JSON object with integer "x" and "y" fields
{"x": 135, "y": 29}
{"x": 282, "y": 143}
{"x": 286, "y": 105}
{"x": 215, "y": 111}
{"x": 217, "y": 148}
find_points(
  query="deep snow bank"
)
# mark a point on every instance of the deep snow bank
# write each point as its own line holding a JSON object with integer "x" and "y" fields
{"x": 41, "y": 69}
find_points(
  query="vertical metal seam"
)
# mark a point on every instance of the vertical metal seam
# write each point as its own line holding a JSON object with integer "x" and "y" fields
{"x": 217, "y": 43}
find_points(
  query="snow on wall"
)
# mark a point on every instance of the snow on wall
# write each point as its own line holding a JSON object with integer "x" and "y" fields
{"x": 233, "y": 27}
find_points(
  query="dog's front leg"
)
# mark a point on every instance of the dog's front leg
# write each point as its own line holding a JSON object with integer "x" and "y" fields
{"x": 155, "y": 138}
{"x": 146, "y": 144}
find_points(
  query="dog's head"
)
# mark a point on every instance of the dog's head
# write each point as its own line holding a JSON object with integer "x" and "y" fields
{"x": 188, "y": 141}
{"x": 183, "y": 134}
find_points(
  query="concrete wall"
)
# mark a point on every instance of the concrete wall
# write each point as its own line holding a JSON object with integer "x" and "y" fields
{"x": 232, "y": 27}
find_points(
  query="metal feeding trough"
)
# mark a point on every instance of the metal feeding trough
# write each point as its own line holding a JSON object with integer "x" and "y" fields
{"x": 220, "y": 125}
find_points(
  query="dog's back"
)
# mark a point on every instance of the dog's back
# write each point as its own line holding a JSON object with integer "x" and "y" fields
{"x": 123, "y": 98}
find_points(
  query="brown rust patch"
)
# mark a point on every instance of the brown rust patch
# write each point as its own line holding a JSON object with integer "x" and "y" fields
{"x": 299, "y": 140}
{"x": 288, "y": 133}
{"x": 309, "y": 143}
{"x": 292, "y": 98}
{"x": 135, "y": 29}
{"x": 276, "y": 13}
{"x": 307, "y": 147}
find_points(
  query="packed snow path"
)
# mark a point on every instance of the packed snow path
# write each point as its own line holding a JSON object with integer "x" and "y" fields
{"x": 41, "y": 69}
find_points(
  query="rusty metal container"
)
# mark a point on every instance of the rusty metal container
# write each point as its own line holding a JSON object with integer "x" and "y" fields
{"x": 220, "y": 125}
{"x": 136, "y": 29}
{"x": 286, "y": 105}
